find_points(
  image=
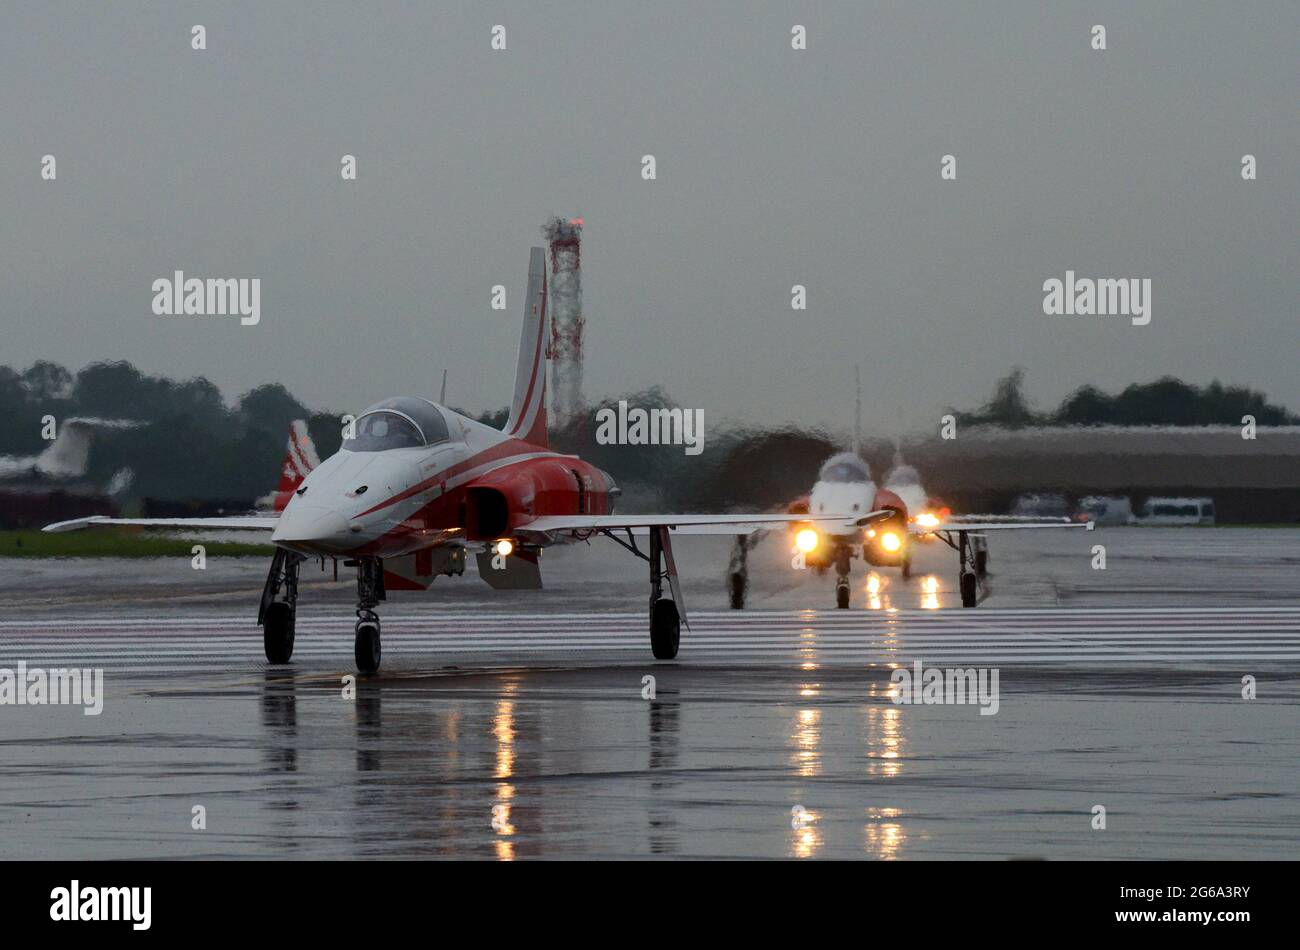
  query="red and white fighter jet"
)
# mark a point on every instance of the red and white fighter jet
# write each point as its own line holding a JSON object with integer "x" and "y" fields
{"x": 415, "y": 486}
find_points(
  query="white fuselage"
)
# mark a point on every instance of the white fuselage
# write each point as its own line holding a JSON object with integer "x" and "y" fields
{"x": 841, "y": 498}
{"x": 328, "y": 516}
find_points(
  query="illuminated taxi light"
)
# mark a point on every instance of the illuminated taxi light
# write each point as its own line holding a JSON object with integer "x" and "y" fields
{"x": 806, "y": 540}
{"x": 890, "y": 541}
{"x": 504, "y": 547}
{"x": 927, "y": 519}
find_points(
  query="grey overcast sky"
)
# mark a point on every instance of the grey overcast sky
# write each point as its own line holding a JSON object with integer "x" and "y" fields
{"x": 775, "y": 168}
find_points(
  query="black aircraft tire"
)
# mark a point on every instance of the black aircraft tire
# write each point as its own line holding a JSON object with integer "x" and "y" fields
{"x": 981, "y": 562}
{"x": 665, "y": 630}
{"x": 842, "y": 596}
{"x": 367, "y": 649}
{"x": 969, "y": 590}
{"x": 277, "y": 632}
{"x": 736, "y": 587}
{"x": 907, "y": 567}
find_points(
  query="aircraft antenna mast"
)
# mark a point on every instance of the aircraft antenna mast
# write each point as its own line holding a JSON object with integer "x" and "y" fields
{"x": 567, "y": 322}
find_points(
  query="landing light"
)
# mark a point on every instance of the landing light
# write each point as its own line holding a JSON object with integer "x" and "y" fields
{"x": 504, "y": 547}
{"x": 890, "y": 541}
{"x": 806, "y": 540}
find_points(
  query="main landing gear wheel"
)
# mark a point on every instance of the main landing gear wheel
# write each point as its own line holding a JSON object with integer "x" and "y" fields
{"x": 736, "y": 588}
{"x": 842, "y": 595}
{"x": 969, "y": 590}
{"x": 981, "y": 561}
{"x": 665, "y": 629}
{"x": 907, "y": 567}
{"x": 367, "y": 648}
{"x": 279, "y": 606}
{"x": 277, "y": 632}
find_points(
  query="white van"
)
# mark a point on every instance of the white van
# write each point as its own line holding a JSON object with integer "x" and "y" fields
{"x": 1177, "y": 511}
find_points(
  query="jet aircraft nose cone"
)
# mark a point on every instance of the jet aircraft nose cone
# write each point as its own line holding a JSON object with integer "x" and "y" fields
{"x": 306, "y": 524}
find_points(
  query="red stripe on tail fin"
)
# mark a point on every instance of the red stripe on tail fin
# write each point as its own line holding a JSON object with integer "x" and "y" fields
{"x": 299, "y": 459}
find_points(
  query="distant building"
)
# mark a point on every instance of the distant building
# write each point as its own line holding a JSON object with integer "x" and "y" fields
{"x": 986, "y": 468}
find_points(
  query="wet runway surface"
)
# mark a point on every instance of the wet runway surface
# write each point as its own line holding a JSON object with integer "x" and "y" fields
{"x": 523, "y": 725}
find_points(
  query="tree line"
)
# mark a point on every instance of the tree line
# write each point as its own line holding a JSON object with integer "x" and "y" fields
{"x": 195, "y": 447}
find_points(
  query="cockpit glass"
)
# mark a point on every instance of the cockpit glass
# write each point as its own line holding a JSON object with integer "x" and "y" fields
{"x": 904, "y": 475}
{"x": 379, "y": 431}
{"x": 845, "y": 469}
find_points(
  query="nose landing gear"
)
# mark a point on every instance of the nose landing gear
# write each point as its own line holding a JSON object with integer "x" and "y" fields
{"x": 370, "y": 591}
{"x": 842, "y": 567}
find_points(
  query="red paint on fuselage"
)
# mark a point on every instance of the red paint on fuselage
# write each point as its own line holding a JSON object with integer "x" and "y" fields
{"x": 532, "y": 487}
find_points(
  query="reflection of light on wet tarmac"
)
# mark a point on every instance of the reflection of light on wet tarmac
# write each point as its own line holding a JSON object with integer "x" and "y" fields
{"x": 884, "y": 838}
{"x": 505, "y": 848}
{"x": 929, "y": 592}
{"x": 807, "y": 739}
{"x": 503, "y": 730}
{"x": 810, "y": 689}
{"x": 875, "y": 587}
{"x": 805, "y": 839}
{"x": 884, "y": 740}
{"x": 808, "y": 647}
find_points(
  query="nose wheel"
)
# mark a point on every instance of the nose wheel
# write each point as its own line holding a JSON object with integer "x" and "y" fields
{"x": 370, "y": 591}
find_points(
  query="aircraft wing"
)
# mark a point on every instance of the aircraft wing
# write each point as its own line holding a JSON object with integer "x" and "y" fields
{"x": 999, "y": 526}
{"x": 230, "y": 523}
{"x": 688, "y": 524}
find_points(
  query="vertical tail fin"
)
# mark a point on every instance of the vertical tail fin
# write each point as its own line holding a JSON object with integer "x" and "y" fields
{"x": 299, "y": 459}
{"x": 857, "y": 411}
{"x": 528, "y": 409}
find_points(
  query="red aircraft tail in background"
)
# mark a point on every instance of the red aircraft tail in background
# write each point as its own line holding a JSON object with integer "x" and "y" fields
{"x": 299, "y": 459}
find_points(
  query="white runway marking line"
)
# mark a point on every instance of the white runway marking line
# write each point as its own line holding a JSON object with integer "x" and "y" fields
{"x": 1035, "y": 635}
